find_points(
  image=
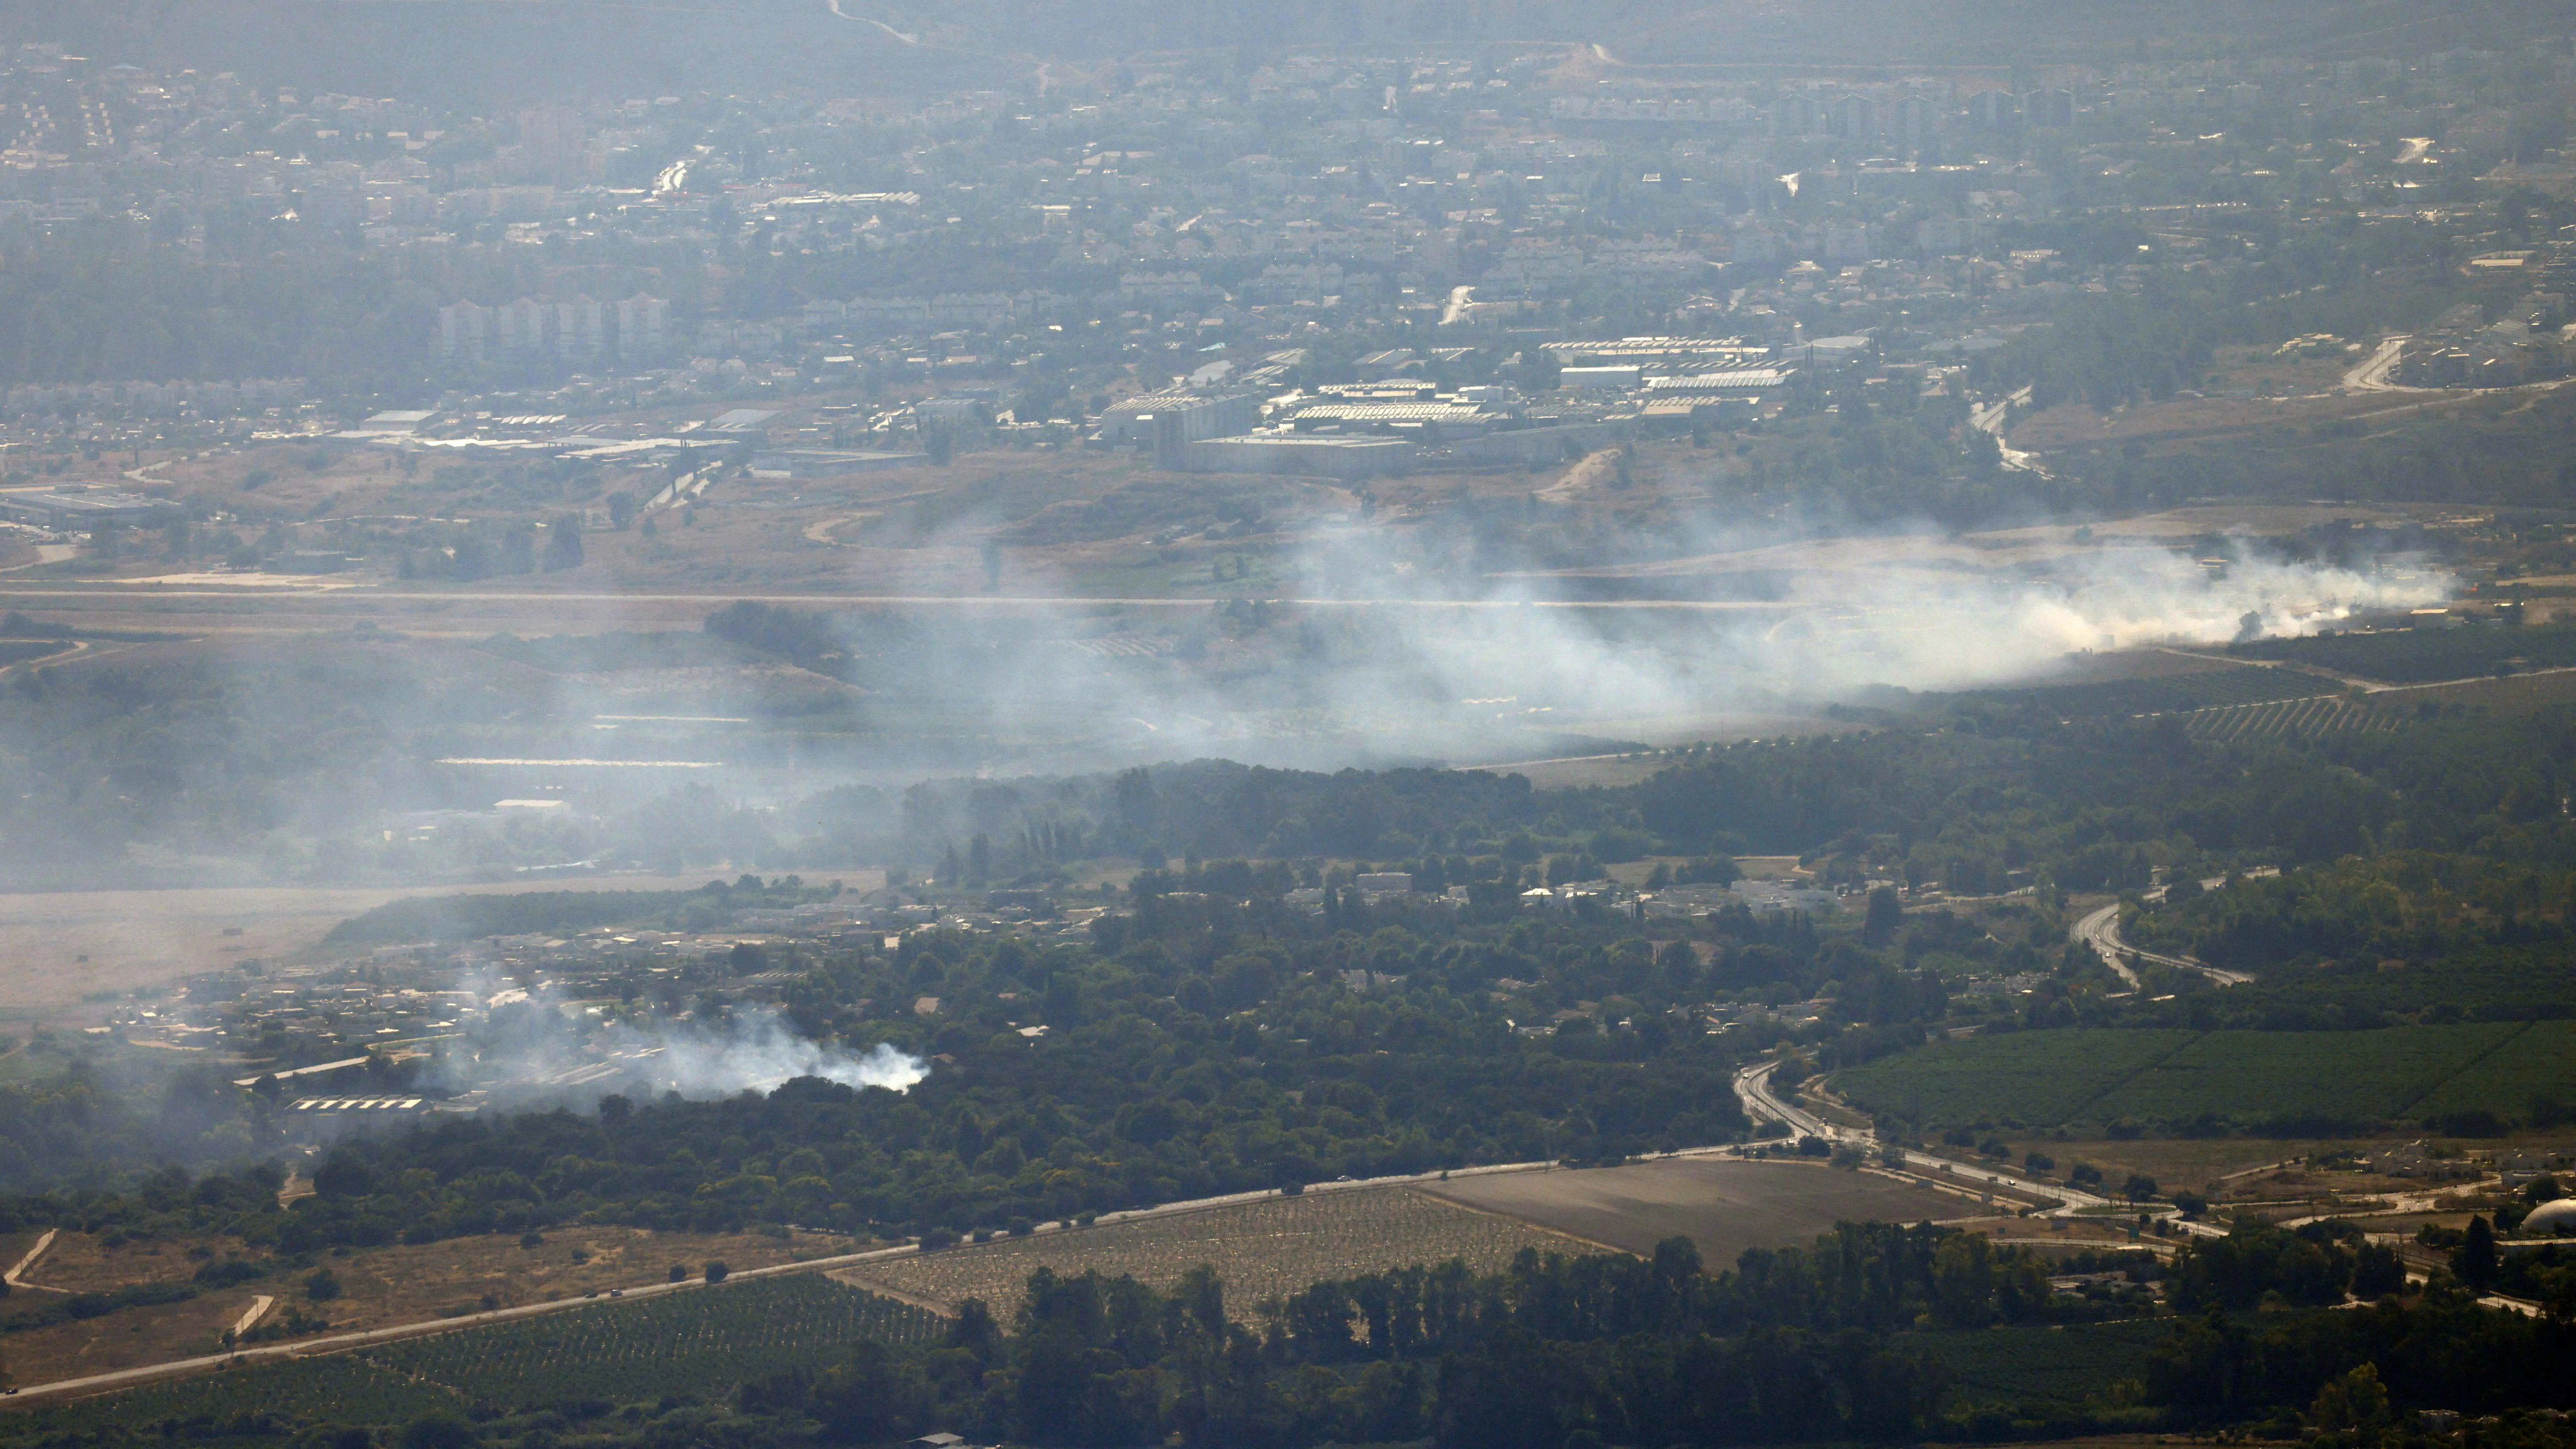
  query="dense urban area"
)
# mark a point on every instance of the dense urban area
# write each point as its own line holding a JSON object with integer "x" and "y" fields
{"x": 566, "y": 316}
{"x": 1498, "y": 725}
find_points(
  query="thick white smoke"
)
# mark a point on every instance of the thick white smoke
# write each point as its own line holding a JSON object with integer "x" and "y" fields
{"x": 1386, "y": 650}
{"x": 754, "y": 1050}
{"x": 1926, "y": 633}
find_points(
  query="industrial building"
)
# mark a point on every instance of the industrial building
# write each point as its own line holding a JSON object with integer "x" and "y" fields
{"x": 75, "y": 507}
{"x": 1745, "y": 382}
{"x": 1323, "y": 455}
{"x": 1140, "y": 421}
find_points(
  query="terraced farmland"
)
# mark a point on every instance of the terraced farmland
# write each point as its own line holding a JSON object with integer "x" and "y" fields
{"x": 2287, "y": 719}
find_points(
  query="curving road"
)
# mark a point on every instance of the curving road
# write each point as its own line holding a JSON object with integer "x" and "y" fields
{"x": 2371, "y": 373}
{"x": 1762, "y": 1104}
{"x": 2101, "y": 931}
{"x": 835, "y": 7}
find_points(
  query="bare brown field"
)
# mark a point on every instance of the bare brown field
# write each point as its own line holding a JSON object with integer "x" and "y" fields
{"x": 129, "y": 1339}
{"x": 1262, "y": 1249}
{"x": 379, "y": 1287}
{"x": 2062, "y": 1234}
{"x": 1724, "y": 1206}
{"x": 2174, "y": 1163}
{"x": 58, "y": 948}
{"x": 2077, "y": 424}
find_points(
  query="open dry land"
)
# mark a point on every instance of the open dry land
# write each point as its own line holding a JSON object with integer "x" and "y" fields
{"x": 1261, "y": 1249}
{"x": 1724, "y": 1206}
{"x": 61, "y": 948}
{"x": 2193, "y": 1163}
{"x": 379, "y": 1287}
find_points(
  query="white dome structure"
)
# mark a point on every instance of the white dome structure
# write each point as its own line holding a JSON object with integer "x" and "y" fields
{"x": 2551, "y": 1219}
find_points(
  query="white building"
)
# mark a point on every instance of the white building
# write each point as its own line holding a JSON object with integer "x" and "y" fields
{"x": 643, "y": 324}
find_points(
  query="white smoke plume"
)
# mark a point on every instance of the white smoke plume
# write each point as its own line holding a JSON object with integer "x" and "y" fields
{"x": 751, "y": 1048}
{"x": 754, "y": 1050}
{"x": 2001, "y": 630}
{"x": 1444, "y": 665}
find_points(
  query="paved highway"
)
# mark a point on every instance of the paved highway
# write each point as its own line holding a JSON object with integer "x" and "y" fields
{"x": 1762, "y": 1104}
{"x": 2371, "y": 373}
{"x": 2101, "y": 931}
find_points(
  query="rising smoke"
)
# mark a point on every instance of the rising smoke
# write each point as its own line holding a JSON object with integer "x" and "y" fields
{"x": 751, "y": 1048}
{"x": 1777, "y": 627}
{"x": 754, "y": 1049}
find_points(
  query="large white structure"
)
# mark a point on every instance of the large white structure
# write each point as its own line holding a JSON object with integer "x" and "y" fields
{"x": 2551, "y": 1220}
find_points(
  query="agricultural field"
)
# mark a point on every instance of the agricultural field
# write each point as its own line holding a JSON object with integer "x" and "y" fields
{"x": 2287, "y": 719}
{"x": 340, "y": 1387}
{"x": 2058, "y": 1365}
{"x": 2041, "y": 1078}
{"x": 2169, "y": 693}
{"x": 1262, "y": 1249}
{"x": 2511, "y": 694}
{"x": 700, "y": 1342}
{"x": 1725, "y": 1206}
{"x": 2220, "y": 1166}
{"x": 379, "y": 1287}
{"x": 2364, "y": 1075}
{"x": 2421, "y": 656}
{"x": 2539, "y": 1066}
{"x": 2175, "y": 1079}
{"x": 125, "y": 1338}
